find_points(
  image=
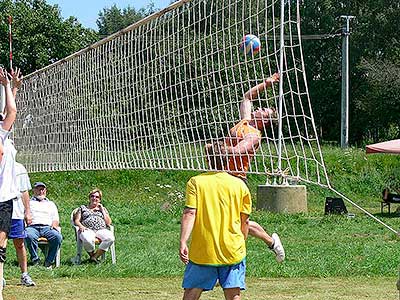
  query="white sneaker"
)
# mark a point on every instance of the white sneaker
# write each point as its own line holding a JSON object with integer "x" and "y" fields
{"x": 26, "y": 280}
{"x": 278, "y": 248}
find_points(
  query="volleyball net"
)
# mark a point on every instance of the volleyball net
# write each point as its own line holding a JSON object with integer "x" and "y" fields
{"x": 152, "y": 95}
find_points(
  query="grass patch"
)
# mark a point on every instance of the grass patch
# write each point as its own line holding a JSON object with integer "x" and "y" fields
{"x": 146, "y": 207}
{"x": 357, "y": 288}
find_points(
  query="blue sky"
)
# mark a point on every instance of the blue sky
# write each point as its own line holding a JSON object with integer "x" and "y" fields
{"x": 86, "y": 11}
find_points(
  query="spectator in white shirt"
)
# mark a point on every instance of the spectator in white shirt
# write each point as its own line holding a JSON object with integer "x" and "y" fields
{"x": 45, "y": 223}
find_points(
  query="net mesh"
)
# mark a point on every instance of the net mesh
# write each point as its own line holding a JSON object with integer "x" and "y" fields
{"x": 152, "y": 95}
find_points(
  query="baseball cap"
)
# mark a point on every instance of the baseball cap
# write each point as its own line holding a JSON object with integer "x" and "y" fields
{"x": 37, "y": 184}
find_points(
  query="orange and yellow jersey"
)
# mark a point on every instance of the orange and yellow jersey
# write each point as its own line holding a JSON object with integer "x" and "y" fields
{"x": 239, "y": 164}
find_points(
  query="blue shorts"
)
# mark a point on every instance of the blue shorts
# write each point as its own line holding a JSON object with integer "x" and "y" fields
{"x": 17, "y": 230}
{"x": 205, "y": 277}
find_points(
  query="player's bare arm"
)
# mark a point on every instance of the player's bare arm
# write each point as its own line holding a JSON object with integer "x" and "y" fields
{"x": 250, "y": 95}
{"x": 244, "y": 219}
{"x": 10, "y": 107}
{"x": 248, "y": 145}
{"x": 187, "y": 223}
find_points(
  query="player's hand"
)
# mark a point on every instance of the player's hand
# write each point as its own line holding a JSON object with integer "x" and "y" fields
{"x": 4, "y": 77}
{"x": 273, "y": 79}
{"x": 184, "y": 253}
{"x": 16, "y": 77}
{"x": 28, "y": 218}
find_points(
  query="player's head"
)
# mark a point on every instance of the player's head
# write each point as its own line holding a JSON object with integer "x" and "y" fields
{"x": 263, "y": 117}
{"x": 216, "y": 155}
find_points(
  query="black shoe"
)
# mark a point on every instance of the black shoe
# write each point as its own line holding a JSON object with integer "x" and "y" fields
{"x": 35, "y": 262}
{"x": 48, "y": 265}
{"x": 94, "y": 260}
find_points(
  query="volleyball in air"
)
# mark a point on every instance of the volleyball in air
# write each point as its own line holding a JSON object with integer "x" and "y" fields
{"x": 250, "y": 45}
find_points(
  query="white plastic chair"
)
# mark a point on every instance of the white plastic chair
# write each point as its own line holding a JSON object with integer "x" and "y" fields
{"x": 78, "y": 257}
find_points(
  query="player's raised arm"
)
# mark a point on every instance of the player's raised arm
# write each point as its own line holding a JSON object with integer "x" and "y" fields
{"x": 250, "y": 95}
{"x": 10, "y": 108}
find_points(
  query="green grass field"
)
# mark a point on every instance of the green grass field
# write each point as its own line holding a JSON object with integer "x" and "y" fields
{"x": 138, "y": 288}
{"x": 328, "y": 257}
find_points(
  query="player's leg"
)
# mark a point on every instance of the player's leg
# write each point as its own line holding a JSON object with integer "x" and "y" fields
{"x": 22, "y": 261}
{"x": 6, "y": 208}
{"x": 273, "y": 242}
{"x": 21, "y": 254}
{"x": 198, "y": 278}
{"x": 192, "y": 294}
{"x": 232, "y": 294}
{"x": 232, "y": 280}
{"x": 255, "y": 230}
{"x": 3, "y": 246}
{"x": 17, "y": 234}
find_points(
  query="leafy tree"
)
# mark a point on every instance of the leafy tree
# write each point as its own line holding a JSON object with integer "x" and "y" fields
{"x": 374, "y": 59}
{"x": 114, "y": 19}
{"x": 376, "y": 49}
{"x": 40, "y": 35}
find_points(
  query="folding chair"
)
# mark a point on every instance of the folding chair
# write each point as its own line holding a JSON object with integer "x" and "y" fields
{"x": 78, "y": 257}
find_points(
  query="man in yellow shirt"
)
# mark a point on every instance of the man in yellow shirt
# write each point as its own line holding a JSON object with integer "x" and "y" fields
{"x": 216, "y": 215}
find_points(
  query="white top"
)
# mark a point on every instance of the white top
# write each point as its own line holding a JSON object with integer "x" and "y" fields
{"x": 43, "y": 212}
{"x": 24, "y": 185}
{"x": 8, "y": 182}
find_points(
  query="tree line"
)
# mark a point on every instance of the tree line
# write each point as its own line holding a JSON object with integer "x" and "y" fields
{"x": 41, "y": 36}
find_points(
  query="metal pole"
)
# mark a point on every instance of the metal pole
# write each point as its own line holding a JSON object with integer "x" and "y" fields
{"x": 281, "y": 53}
{"x": 344, "y": 130}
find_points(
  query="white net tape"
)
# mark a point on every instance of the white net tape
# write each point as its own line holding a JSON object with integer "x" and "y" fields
{"x": 150, "y": 97}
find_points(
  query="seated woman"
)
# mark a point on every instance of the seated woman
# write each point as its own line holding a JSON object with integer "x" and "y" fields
{"x": 389, "y": 197}
{"x": 93, "y": 221}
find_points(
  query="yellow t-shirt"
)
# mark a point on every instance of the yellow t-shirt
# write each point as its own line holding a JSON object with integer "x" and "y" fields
{"x": 218, "y": 198}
